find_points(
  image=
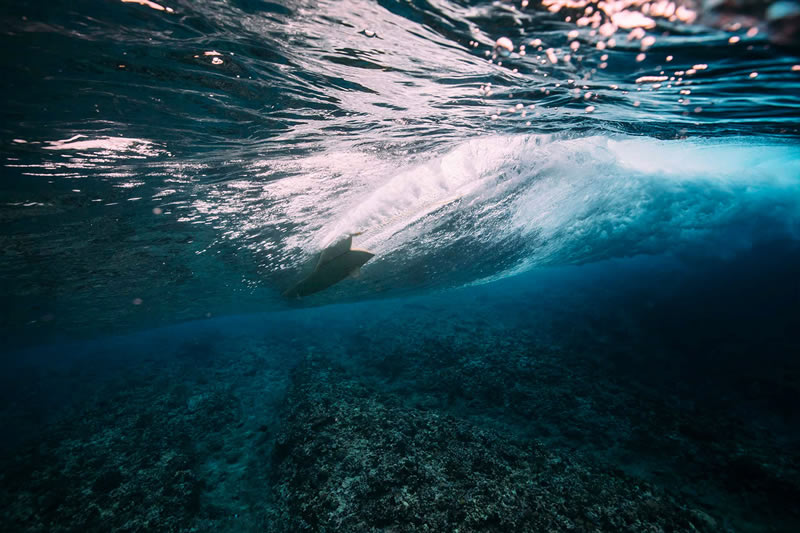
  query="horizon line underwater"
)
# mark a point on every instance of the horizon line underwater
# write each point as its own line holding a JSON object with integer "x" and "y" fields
{"x": 400, "y": 266}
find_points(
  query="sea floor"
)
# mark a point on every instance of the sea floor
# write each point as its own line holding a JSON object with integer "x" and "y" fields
{"x": 419, "y": 414}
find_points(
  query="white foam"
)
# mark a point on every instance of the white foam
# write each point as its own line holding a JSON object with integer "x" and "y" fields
{"x": 532, "y": 200}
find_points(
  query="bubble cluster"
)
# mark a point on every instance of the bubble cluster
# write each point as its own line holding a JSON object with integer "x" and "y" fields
{"x": 629, "y": 29}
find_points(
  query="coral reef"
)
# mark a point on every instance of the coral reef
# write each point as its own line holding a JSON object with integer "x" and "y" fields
{"x": 164, "y": 446}
{"x": 352, "y": 458}
{"x": 404, "y": 416}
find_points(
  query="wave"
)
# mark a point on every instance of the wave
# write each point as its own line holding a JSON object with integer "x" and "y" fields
{"x": 498, "y": 205}
{"x": 166, "y": 165}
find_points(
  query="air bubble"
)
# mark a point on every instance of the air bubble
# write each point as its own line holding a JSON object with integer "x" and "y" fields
{"x": 503, "y": 46}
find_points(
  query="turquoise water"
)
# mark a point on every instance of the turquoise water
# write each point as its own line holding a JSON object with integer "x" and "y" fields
{"x": 581, "y": 315}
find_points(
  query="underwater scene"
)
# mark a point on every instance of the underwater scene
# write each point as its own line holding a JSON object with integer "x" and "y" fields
{"x": 400, "y": 266}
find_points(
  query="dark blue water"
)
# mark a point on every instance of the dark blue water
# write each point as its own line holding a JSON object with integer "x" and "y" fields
{"x": 582, "y": 313}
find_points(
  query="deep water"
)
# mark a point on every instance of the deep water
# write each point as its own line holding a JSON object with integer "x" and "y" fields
{"x": 582, "y": 313}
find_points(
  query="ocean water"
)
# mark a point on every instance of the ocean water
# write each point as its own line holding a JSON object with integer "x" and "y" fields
{"x": 582, "y": 313}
